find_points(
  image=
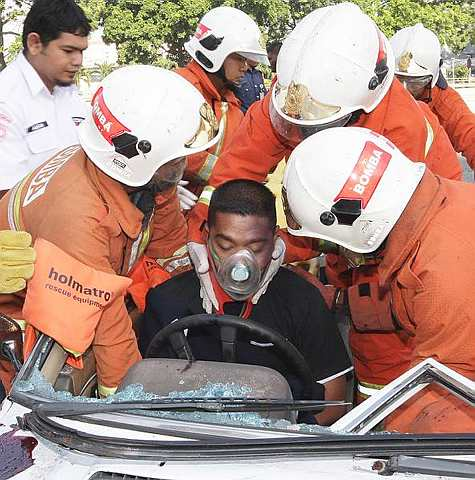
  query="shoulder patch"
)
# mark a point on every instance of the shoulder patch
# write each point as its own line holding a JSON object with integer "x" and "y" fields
{"x": 41, "y": 179}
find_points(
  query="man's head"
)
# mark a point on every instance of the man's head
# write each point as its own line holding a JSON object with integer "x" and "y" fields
{"x": 54, "y": 38}
{"x": 225, "y": 40}
{"x": 241, "y": 235}
{"x": 273, "y": 50}
{"x": 418, "y": 59}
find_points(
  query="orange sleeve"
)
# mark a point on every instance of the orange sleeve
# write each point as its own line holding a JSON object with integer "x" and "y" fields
{"x": 88, "y": 240}
{"x": 457, "y": 119}
{"x": 254, "y": 151}
{"x": 441, "y": 157}
{"x": 169, "y": 226}
{"x": 297, "y": 249}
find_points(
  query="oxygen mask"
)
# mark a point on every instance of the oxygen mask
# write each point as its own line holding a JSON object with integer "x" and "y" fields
{"x": 238, "y": 275}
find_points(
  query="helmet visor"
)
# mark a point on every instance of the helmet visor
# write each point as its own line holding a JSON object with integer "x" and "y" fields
{"x": 296, "y": 102}
{"x": 255, "y": 57}
{"x": 294, "y": 131}
{"x": 208, "y": 130}
{"x": 418, "y": 87}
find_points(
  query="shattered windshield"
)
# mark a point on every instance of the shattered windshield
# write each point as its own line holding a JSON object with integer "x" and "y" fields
{"x": 32, "y": 383}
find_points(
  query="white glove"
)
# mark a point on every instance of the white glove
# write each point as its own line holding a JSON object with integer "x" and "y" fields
{"x": 199, "y": 256}
{"x": 277, "y": 259}
{"x": 187, "y": 199}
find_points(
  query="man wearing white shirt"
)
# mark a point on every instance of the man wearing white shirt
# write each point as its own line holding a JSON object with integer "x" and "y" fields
{"x": 39, "y": 105}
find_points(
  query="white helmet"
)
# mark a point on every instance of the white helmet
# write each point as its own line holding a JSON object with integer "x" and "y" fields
{"x": 336, "y": 61}
{"x": 355, "y": 194}
{"x": 222, "y": 31}
{"x": 417, "y": 52}
{"x": 141, "y": 118}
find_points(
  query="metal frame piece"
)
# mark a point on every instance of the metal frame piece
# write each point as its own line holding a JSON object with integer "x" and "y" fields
{"x": 365, "y": 416}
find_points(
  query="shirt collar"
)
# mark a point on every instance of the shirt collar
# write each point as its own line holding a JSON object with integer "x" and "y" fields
{"x": 33, "y": 80}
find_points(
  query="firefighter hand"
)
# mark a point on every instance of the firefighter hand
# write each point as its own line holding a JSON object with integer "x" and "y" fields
{"x": 187, "y": 199}
{"x": 199, "y": 256}
{"x": 277, "y": 259}
{"x": 16, "y": 260}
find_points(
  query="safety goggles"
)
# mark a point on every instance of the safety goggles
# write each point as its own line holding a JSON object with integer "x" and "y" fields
{"x": 418, "y": 87}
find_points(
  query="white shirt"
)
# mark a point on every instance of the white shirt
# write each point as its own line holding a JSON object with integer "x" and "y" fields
{"x": 34, "y": 123}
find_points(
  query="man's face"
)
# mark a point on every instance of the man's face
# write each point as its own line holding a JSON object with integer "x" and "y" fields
{"x": 58, "y": 62}
{"x": 235, "y": 66}
{"x": 232, "y": 232}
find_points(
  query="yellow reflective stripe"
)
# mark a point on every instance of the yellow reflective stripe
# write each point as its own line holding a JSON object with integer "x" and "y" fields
{"x": 145, "y": 241}
{"x": 430, "y": 137}
{"x": 207, "y": 167}
{"x": 106, "y": 391}
{"x": 180, "y": 258}
{"x": 14, "y": 207}
{"x": 73, "y": 353}
{"x": 368, "y": 389}
{"x": 206, "y": 195}
{"x": 139, "y": 245}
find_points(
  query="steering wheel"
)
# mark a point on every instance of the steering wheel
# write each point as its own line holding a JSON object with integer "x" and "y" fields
{"x": 229, "y": 325}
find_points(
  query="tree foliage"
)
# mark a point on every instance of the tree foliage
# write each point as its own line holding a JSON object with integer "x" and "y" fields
{"x": 9, "y": 12}
{"x": 153, "y": 31}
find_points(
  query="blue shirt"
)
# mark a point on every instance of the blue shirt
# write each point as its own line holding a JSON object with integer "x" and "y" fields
{"x": 251, "y": 88}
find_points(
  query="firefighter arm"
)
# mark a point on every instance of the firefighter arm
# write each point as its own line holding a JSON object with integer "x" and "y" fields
{"x": 443, "y": 317}
{"x": 115, "y": 347}
{"x": 458, "y": 121}
{"x": 253, "y": 152}
{"x": 167, "y": 244}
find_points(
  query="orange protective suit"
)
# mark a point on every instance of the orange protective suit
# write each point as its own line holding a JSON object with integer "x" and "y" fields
{"x": 457, "y": 119}
{"x": 256, "y": 150}
{"x": 71, "y": 203}
{"x": 227, "y": 109}
{"x": 428, "y": 268}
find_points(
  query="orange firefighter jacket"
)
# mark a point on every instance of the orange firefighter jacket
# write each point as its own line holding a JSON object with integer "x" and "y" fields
{"x": 429, "y": 267}
{"x": 71, "y": 203}
{"x": 457, "y": 119}
{"x": 228, "y": 112}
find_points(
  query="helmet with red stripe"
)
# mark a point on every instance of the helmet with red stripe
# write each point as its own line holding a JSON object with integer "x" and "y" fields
{"x": 355, "y": 194}
{"x": 143, "y": 117}
{"x": 334, "y": 63}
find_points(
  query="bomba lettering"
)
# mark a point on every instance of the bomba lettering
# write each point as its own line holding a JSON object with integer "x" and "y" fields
{"x": 75, "y": 285}
{"x": 368, "y": 172}
{"x": 101, "y": 118}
